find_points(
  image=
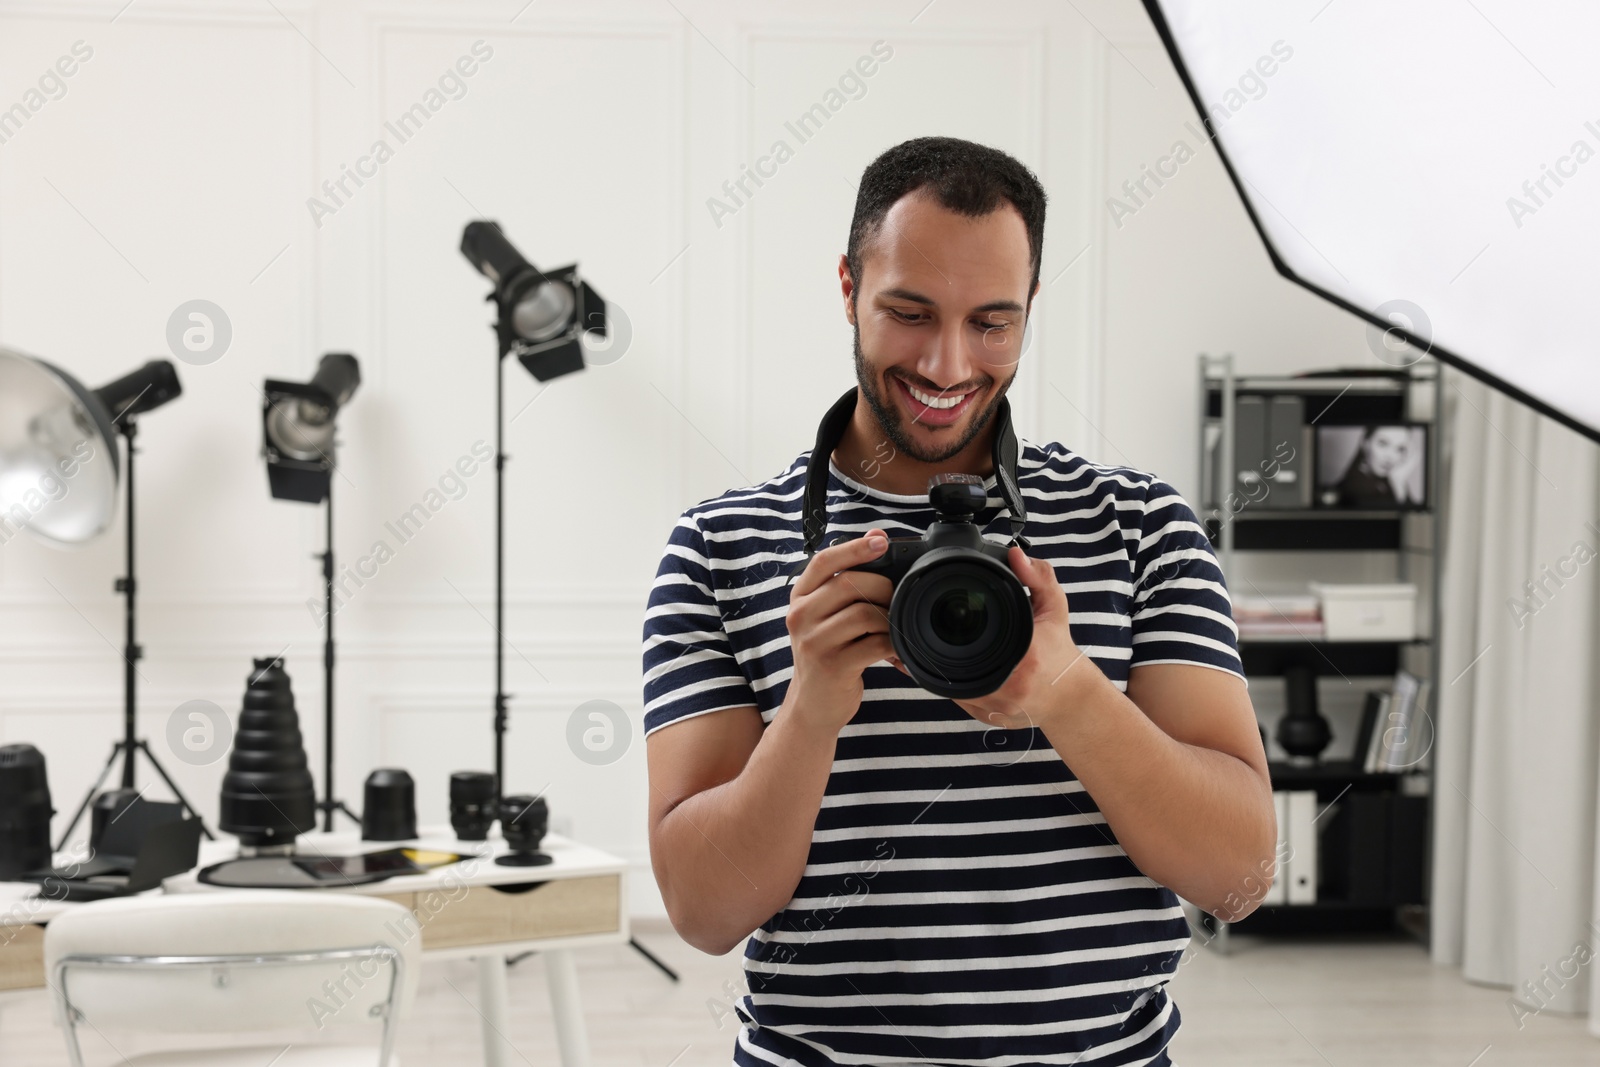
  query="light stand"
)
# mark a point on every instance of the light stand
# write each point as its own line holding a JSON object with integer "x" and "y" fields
{"x": 143, "y": 390}
{"x": 541, "y": 318}
{"x": 298, "y": 431}
{"x": 329, "y": 802}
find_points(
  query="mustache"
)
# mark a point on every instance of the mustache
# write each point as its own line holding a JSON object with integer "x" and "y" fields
{"x": 949, "y": 390}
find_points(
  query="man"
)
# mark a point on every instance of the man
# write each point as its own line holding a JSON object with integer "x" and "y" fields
{"x": 935, "y": 880}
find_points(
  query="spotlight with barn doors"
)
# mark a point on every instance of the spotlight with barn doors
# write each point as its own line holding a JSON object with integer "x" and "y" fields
{"x": 542, "y": 319}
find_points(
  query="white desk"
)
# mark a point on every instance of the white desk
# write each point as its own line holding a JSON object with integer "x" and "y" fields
{"x": 469, "y": 909}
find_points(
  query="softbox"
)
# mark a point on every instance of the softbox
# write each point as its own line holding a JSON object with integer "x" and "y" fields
{"x": 1431, "y": 166}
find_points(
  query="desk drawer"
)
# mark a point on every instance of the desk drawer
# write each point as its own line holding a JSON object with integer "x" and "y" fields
{"x": 21, "y": 957}
{"x": 481, "y": 914}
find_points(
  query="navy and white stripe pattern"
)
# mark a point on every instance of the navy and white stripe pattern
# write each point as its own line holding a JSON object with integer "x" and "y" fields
{"x": 964, "y": 901}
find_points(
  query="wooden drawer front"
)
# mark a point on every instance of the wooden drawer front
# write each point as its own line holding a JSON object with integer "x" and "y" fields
{"x": 480, "y": 914}
{"x": 21, "y": 957}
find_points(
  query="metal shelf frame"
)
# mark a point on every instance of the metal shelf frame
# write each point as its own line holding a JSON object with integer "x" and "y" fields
{"x": 1217, "y": 373}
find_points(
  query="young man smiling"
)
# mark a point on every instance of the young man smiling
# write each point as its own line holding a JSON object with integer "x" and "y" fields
{"x": 926, "y": 880}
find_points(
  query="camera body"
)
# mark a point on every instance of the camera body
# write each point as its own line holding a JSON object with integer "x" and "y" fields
{"x": 959, "y": 619}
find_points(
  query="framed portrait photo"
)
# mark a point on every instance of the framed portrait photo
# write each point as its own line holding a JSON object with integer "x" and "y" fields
{"x": 1372, "y": 466}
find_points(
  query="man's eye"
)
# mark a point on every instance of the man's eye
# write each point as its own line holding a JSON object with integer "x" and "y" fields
{"x": 906, "y": 316}
{"x": 986, "y": 326}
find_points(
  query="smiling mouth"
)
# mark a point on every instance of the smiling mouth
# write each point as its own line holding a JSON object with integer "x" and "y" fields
{"x": 937, "y": 401}
{"x": 935, "y": 409}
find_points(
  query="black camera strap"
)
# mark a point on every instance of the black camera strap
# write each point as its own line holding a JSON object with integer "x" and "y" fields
{"x": 831, "y": 431}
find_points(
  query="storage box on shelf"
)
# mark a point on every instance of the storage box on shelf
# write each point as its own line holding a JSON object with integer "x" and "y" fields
{"x": 1367, "y": 612}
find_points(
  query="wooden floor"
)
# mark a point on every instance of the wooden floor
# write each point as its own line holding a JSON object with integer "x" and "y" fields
{"x": 1368, "y": 1002}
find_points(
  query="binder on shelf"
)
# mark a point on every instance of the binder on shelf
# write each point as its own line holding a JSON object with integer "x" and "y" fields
{"x": 1364, "y": 732}
{"x": 1419, "y": 742}
{"x": 1249, "y": 450}
{"x": 1408, "y": 849}
{"x": 1285, "y": 454}
{"x": 1302, "y": 880}
{"x": 1397, "y": 734}
{"x": 1369, "y": 759}
{"x": 1359, "y": 833}
{"x": 1278, "y": 892}
{"x": 1216, "y": 486}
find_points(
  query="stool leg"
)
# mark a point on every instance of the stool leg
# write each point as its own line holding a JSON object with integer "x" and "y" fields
{"x": 567, "y": 1009}
{"x": 494, "y": 1004}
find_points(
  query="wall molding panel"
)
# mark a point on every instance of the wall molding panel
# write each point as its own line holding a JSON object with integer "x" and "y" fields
{"x": 187, "y": 159}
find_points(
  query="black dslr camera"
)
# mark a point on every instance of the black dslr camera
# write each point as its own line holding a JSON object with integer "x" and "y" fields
{"x": 959, "y": 618}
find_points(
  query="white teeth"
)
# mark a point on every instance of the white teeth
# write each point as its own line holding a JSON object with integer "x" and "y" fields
{"x": 935, "y": 402}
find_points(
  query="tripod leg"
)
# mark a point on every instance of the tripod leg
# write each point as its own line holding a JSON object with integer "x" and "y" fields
{"x": 162, "y": 771}
{"x": 88, "y": 797}
{"x": 647, "y": 954}
{"x": 328, "y": 807}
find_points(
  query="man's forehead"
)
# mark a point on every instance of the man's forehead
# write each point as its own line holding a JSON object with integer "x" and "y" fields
{"x": 926, "y": 253}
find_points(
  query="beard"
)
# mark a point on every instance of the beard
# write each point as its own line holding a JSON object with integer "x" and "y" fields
{"x": 891, "y": 421}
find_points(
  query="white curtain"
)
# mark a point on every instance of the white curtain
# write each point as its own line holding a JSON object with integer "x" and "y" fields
{"x": 1515, "y": 858}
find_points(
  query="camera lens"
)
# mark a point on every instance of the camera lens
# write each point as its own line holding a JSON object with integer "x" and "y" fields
{"x": 473, "y": 800}
{"x": 960, "y": 623}
{"x": 523, "y": 822}
{"x": 959, "y": 616}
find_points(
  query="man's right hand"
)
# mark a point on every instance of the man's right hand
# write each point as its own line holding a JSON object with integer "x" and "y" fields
{"x": 838, "y": 626}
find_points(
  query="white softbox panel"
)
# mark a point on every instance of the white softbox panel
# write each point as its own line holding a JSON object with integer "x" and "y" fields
{"x": 1432, "y": 166}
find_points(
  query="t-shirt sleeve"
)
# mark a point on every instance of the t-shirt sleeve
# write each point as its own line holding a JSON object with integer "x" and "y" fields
{"x": 689, "y": 666}
{"x": 1181, "y": 609}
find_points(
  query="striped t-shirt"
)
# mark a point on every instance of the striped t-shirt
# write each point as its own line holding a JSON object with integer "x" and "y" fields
{"x": 963, "y": 900}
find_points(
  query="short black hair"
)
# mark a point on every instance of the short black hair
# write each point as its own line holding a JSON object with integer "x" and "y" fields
{"x": 964, "y": 177}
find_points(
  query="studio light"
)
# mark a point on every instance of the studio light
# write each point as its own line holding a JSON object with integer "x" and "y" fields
{"x": 298, "y": 423}
{"x": 543, "y": 314}
{"x": 298, "y": 429}
{"x": 59, "y": 464}
{"x": 1410, "y": 164}
{"x": 59, "y": 470}
{"x": 542, "y": 317}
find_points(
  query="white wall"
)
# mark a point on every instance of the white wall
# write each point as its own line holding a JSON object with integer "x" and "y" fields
{"x": 178, "y": 166}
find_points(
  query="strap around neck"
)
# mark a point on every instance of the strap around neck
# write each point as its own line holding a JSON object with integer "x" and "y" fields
{"x": 830, "y": 432}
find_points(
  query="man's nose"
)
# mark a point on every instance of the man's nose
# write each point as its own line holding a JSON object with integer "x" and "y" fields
{"x": 948, "y": 361}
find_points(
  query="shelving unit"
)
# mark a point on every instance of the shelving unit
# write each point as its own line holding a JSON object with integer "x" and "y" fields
{"x": 1363, "y": 815}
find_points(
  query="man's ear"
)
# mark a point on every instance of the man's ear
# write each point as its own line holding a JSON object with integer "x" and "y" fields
{"x": 847, "y": 287}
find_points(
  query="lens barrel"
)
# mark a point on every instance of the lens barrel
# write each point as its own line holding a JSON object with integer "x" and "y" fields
{"x": 24, "y": 811}
{"x": 474, "y": 802}
{"x": 960, "y": 621}
{"x": 389, "y": 806}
